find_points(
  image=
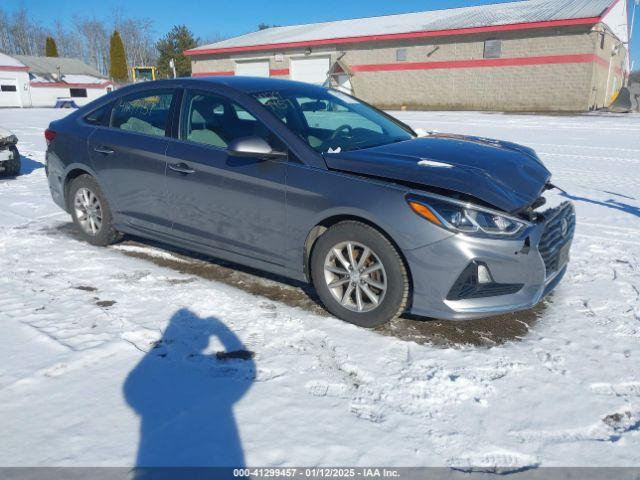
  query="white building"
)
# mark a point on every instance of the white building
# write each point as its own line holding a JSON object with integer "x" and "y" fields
{"x": 14, "y": 83}
{"x": 42, "y": 81}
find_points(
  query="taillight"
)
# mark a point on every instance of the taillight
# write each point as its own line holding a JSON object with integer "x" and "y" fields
{"x": 49, "y": 135}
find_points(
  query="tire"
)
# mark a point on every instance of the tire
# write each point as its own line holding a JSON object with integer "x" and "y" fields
{"x": 12, "y": 167}
{"x": 83, "y": 191}
{"x": 390, "y": 284}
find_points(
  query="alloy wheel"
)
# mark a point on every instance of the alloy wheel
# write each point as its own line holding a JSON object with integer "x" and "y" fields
{"x": 355, "y": 276}
{"x": 88, "y": 211}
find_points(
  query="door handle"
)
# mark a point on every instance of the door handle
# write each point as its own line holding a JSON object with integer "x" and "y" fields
{"x": 104, "y": 150}
{"x": 181, "y": 168}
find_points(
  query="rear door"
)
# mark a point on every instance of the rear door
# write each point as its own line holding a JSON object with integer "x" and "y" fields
{"x": 128, "y": 156}
{"x": 227, "y": 203}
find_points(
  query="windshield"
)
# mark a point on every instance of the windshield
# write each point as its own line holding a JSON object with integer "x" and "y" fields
{"x": 332, "y": 122}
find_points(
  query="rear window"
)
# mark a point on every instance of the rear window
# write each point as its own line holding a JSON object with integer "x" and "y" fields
{"x": 100, "y": 116}
{"x": 146, "y": 113}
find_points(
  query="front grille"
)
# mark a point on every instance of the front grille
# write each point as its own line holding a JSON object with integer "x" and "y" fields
{"x": 558, "y": 234}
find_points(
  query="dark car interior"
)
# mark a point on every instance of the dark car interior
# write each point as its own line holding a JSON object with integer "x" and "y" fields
{"x": 215, "y": 121}
{"x": 145, "y": 115}
{"x": 327, "y": 124}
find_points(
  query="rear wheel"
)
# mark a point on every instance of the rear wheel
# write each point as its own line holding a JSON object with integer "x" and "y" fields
{"x": 90, "y": 211}
{"x": 359, "y": 275}
{"x": 12, "y": 167}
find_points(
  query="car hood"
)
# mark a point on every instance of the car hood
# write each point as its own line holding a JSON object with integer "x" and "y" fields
{"x": 503, "y": 174}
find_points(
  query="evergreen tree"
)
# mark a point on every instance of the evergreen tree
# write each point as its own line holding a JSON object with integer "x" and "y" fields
{"x": 118, "y": 69}
{"x": 51, "y": 49}
{"x": 173, "y": 45}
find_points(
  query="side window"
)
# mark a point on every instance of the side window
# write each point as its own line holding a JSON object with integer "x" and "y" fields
{"x": 144, "y": 113}
{"x": 99, "y": 116}
{"x": 211, "y": 119}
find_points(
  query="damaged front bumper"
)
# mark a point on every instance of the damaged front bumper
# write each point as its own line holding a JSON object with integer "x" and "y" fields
{"x": 464, "y": 278}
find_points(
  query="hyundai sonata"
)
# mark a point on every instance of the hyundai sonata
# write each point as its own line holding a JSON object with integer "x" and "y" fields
{"x": 315, "y": 185}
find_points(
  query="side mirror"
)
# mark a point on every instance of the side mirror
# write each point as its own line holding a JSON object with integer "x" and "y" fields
{"x": 255, "y": 147}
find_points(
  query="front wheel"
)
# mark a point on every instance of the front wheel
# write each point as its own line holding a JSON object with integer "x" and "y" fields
{"x": 359, "y": 275}
{"x": 90, "y": 211}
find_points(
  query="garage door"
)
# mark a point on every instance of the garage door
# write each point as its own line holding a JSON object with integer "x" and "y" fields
{"x": 310, "y": 69}
{"x": 253, "y": 69}
{"x": 9, "y": 93}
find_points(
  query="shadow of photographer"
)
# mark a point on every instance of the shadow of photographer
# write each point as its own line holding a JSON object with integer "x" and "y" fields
{"x": 184, "y": 397}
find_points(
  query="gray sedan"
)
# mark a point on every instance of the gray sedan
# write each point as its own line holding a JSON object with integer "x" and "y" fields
{"x": 315, "y": 185}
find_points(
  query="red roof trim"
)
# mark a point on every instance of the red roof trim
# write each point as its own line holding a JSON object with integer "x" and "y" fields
{"x": 452, "y": 64}
{"x": 13, "y": 69}
{"x": 70, "y": 85}
{"x": 399, "y": 36}
{"x": 481, "y": 62}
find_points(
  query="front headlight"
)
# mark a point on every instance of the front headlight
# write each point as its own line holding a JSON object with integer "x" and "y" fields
{"x": 461, "y": 217}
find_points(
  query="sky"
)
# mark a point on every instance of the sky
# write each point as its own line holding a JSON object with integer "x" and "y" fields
{"x": 208, "y": 19}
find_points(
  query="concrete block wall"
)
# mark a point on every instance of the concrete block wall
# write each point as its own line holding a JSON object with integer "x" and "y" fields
{"x": 608, "y": 77}
{"x": 562, "y": 86}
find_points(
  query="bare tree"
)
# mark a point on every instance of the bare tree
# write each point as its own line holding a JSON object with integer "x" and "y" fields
{"x": 5, "y": 33}
{"x": 84, "y": 37}
{"x": 19, "y": 35}
{"x": 68, "y": 42}
{"x": 94, "y": 35}
{"x": 137, "y": 37}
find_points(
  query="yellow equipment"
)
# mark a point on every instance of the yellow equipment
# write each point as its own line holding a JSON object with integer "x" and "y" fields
{"x": 143, "y": 74}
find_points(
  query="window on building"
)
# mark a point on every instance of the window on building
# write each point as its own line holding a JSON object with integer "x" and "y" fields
{"x": 493, "y": 49}
{"x": 144, "y": 113}
{"x": 78, "y": 92}
{"x": 602, "y": 41}
{"x": 401, "y": 55}
{"x": 8, "y": 88}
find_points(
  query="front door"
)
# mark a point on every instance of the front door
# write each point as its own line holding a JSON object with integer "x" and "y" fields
{"x": 129, "y": 159}
{"x": 232, "y": 204}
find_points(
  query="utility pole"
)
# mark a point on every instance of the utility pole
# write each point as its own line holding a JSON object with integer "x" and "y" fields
{"x": 172, "y": 65}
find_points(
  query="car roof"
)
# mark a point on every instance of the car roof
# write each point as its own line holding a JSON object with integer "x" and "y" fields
{"x": 256, "y": 84}
{"x": 240, "y": 84}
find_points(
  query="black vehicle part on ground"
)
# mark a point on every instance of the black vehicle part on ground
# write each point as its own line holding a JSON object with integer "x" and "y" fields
{"x": 11, "y": 167}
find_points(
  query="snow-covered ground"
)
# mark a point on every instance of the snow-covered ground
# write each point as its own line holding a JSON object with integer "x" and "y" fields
{"x": 108, "y": 356}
